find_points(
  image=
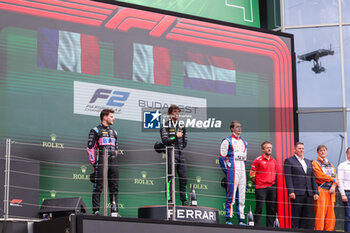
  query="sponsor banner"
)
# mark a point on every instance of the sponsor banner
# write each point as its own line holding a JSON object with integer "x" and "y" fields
{"x": 53, "y": 143}
{"x": 198, "y": 214}
{"x": 198, "y": 185}
{"x": 143, "y": 180}
{"x": 195, "y": 214}
{"x": 91, "y": 98}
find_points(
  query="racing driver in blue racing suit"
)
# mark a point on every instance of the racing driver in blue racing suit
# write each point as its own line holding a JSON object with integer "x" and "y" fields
{"x": 233, "y": 154}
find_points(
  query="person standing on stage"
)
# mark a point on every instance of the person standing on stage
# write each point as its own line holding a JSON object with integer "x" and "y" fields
{"x": 263, "y": 174}
{"x": 101, "y": 138}
{"x": 302, "y": 187}
{"x": 344, "y": 188}
{"x": 172, "y": 134}
{"x": 326, "y": 179}
{"x": 233, "y": 154}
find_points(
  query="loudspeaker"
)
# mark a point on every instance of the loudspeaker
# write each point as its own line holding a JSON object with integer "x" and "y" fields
{"x": 59, "y": 207}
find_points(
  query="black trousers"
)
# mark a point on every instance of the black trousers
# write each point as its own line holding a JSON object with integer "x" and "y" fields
{"x": 303, "y": 212}
{"x": 113, "y": 176}
{"x": 269, "y": 196}
{"x": 181, "y": 169}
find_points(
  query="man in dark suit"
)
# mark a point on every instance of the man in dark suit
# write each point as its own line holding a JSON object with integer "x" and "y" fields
{"x": 302, "y": 188}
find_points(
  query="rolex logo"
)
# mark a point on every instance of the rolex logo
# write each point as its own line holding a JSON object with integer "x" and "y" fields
{"x": 82, "y": 175}
{"x": 143, "y": 180}
{"x": 144, "y": 174}
{"x": 53, "y": 143}
{"x": 83, "y": 169}
{"x": 198, "y": 185}
{"x": 250, "y": 184}
{"x": 53, "y": 137}
{"x": 250, "y": 187}
{"x": 120, "y": 205}
{"x": 53, "y": 193}
{"x": 222, "y": 211}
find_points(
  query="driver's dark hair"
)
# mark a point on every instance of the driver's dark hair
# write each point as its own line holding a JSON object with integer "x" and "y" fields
{"x": 232, "y": 124}
{"x": 105, "y": 112}
{"x": 297, "y": 144}
{"x": 264, "y": 143}
{"x": 320, "y": 147}
{"x": 347, "y": 150}
{"x": 172, "y": 108}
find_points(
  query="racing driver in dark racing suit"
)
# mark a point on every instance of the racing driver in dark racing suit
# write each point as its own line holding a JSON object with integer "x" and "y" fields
{"x": 174, "y": 135}
{"x": 101, "y": 138}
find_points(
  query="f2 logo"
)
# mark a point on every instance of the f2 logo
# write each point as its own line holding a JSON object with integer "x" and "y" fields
{"x": 117, "y": 98}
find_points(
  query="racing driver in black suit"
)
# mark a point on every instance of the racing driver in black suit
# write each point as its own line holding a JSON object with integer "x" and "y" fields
{"x": 174, "y": 135}
{"x": 101, "y": 138}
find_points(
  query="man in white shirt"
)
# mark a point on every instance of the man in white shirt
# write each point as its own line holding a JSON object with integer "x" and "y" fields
{"x": 344, "y": 188}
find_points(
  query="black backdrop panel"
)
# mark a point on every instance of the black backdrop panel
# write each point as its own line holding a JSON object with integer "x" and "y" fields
{"x": 24, "y": 188}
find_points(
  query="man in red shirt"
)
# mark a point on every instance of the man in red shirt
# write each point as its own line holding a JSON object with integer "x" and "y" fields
{"x": 263, "y": 174}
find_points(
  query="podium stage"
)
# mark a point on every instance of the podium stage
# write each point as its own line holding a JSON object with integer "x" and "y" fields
{"x": 98, "y": 224}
